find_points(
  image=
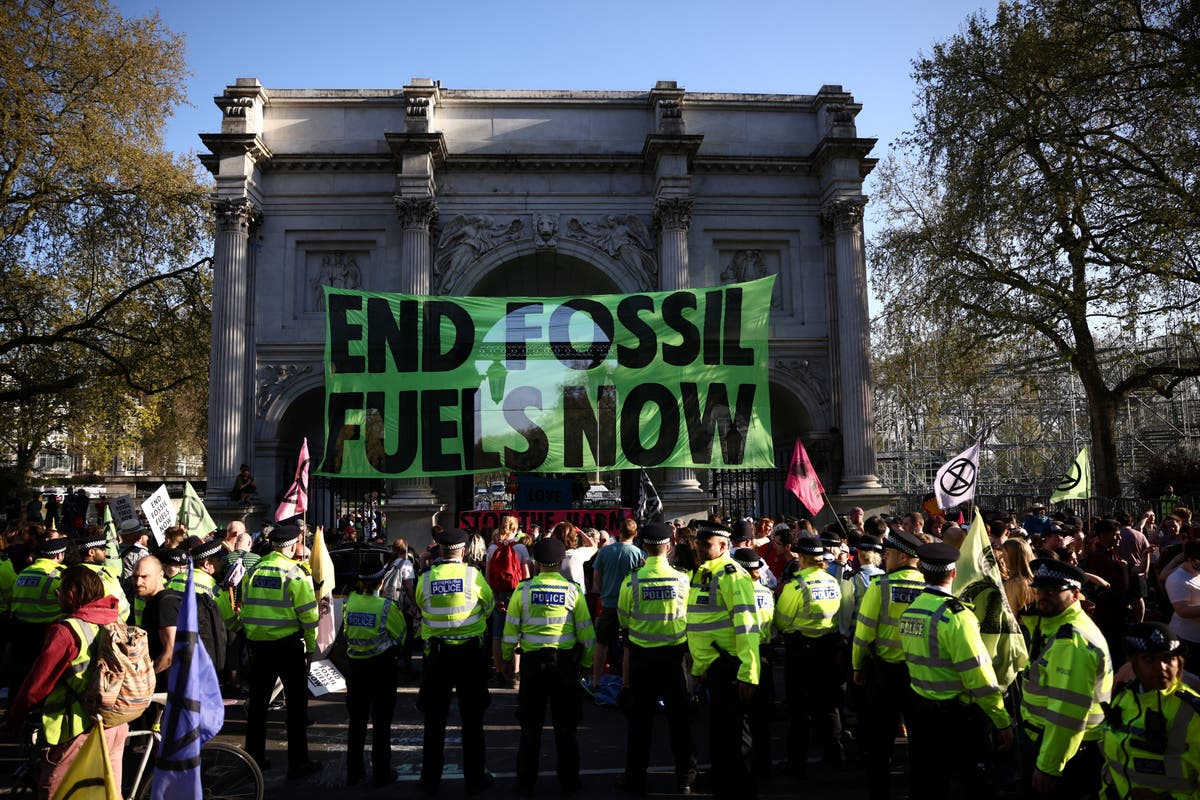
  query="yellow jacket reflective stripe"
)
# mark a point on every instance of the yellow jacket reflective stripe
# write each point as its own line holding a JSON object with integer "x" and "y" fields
{"x": 764, "y": 602}
{"x": 112, "y": 587}
{"x": 454, "y": 600}
{"x": 1130, "y": 761}
{"x": 946, "y": 656}
{"x": 35, "y": 593}
{"x": 1065, "y": 685}
{"x": 372, "y": 624}
{"x": 879, "y": 616}
{"x": 63, "y": 716}
{"x": 278, "y": 601}
{"x": 8, "y": 579}
{"x": 548, "y": 612}
{"x": 809, "y": 603}
{"x": 653, "y": 604}
{"x": 722, "y": 614}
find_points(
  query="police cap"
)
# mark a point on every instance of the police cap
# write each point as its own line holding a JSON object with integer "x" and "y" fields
{"x": 708, "y": 530}
{"x": 870, "y": 543}
{"x": 371, "y": 571}
{"x": 174, "y": 556}
{"x": 809, "y": 545}
{"x": 1049, "y": 573}
{"x": 907, "y": 543}
{"x": 53, "y": 546}
{"x": 938, "y": 557}
{"x": 284, "y": 535}
{"x": 1152, "y": 638}
{"x": 88, "y": 544}
{"x": 206, "y": 550}
{"x": 451, "y": 538}
{"x": 656, "y": 533}
{"x": 743, "y": 531}
{"x": 747, "y": 558}
{"x": 549, "y": 552}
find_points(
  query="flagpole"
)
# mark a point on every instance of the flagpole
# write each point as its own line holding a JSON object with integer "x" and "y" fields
{"x": 836, "y": 515}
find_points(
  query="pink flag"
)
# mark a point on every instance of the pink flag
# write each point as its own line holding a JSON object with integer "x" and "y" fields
{"x": 295, "y": 502}
{"x": 803, "y": 482}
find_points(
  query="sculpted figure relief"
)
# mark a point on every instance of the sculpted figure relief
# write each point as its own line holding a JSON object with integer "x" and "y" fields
{"x": 467, "y": 237}
{"x": 623, "y": 237}
{"x": 339, "y": 270}
{"x": 749, "y": 265}
{"x": 545, "y": 231}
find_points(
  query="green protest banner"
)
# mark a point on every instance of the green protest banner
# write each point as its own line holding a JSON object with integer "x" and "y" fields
{"x": 424, "y": 386}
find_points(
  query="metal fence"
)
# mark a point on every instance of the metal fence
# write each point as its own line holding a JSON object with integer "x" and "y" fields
{"x": 335, "y": 502}
{"x": 740, "y": 493}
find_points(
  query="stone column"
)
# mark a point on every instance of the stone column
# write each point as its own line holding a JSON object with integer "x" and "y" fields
{"x": 854, "y": 343}
{"x": 673, "y": 215}
{"x": 228, "y": 413}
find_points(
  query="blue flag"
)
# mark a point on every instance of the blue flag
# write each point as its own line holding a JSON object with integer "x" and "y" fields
{"x": 195, "y": 711}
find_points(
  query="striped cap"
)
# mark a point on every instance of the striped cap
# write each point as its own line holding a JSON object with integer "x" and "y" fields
{"x": 206, "y": 550}
{"x": 903, "y": 541}
{"x": 1050, "y": 573}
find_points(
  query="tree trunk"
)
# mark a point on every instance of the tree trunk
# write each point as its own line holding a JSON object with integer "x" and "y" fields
{"x": 1103, "y": 407}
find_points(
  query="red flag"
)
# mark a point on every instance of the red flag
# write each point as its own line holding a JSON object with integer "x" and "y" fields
{"x": 803, "y": 482}
{"x": 295, "y": 502}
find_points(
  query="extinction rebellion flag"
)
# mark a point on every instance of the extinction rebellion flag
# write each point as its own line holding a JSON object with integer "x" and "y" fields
{"x": 425, "y": 386}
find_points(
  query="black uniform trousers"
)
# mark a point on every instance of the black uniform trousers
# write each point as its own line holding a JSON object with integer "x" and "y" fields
{"x": 1080, "y": 777}
{"x": 549, "y": 676}
{"x": 887, "y": 699}
{"x": 729, "y": 741}
{"x": 657, "y": 672}
{"x": 761, "y": 712}
{"x": 283, "y": 659}
{"x": 370, "y": 695}
{"x": 449, "y": 669}
{"x": 945, "y": 738}
{"x": 814, "y": 676}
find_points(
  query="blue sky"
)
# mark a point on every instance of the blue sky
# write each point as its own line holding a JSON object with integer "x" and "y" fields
{"x": 754, "y": 46}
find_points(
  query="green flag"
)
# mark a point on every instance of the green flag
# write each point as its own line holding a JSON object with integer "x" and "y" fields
{"x": 193, "y": 516}
{"x": 1077, "y": 483}
{"x": 977, "y": 581}
{"x": 112, "y": 547}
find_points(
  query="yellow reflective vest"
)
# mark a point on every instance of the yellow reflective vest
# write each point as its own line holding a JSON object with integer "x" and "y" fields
{"x": 112, "y": 586}
{"x": 63, "y": 715}
{"x": 207, "y": 585}
{"x": 455, "y": 602}
{"x": 372, "y": 624}
{"x": 35, "y": 594}
{"x": 946, "y": 656}
{"x": 548, "y": 611}
{"x": 1157, "y": 754}
{"x": 809, "y": 604}
{"x": 723, "y": 617}
{"x": 653, "y": 604}
{"x": 764, "y": 604}
{"x": 879, "y": 616}
{"x": 1065, "y": 685}
{"x": 8, "y": 579}
{"x": 279, "y": 601}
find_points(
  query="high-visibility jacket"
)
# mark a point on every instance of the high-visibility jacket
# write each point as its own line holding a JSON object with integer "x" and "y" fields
{"x": 764, "y": 604}
{"x": 723, "y": 617}
{"x": 35, "y": 594}
{"x": 63, "y": 715}
{"x": 455, "y": 602}
{"x": 279, "y": 602}
{"x": 112, "y": 586}
{"x": 946, "y": 657}
{"x": 8, "y": 579}
{"x": 1065, "y": 685}
{"x": 372, "y": 624}
{"x": 809, "y": 604}
{"x": 1133, "y": 761}
{"x": 206, "y": 585}
{"x": 548, "y": 611}
{"x": 879, "y": 616}
{"x": 653, "y": 604}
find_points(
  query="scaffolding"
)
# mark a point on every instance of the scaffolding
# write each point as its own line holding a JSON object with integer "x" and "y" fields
{"x": 1032, "y": 419}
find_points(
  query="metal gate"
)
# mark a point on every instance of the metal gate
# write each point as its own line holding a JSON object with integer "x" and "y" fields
{"x": 741, "y": 493}
{"x": 336, "y": 502}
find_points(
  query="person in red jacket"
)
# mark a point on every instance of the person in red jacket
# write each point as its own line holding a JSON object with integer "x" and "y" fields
{"x": 52, "y": 682}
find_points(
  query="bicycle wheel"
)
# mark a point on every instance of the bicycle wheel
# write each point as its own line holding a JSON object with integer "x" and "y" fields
{"x": 228, "y": 773}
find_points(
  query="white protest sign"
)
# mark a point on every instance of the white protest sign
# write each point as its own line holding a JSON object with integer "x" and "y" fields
{"x": 159, "y": 512}
{"x": 122, "y": 509}
{"x": 324, "y": 678}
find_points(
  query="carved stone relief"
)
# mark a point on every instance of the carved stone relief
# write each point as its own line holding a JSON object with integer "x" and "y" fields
{"x": 467, "y": 237}
{"x": 338, "y": 269}
{"x": 273, "y": 379}
{"x": 749, "y": 265}
{"x": 623, "y": 237}
{"x": 545, "y": 231}
{"x": 801, "y": 370}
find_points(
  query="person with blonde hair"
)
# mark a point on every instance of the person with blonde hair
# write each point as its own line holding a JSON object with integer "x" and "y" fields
{"x": 1015, "y": 558}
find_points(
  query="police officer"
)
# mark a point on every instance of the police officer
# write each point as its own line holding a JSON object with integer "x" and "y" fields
{"x": 958, "y": 700}
{"x": 652, "y": 610}
{"x": 94, "y": 549}
{"x": 806, "y": 615}
{"x": 723, "y": 639}
{"x": 454, "y": 601}
{"x": 878, "y": 659}
{"x": 548, "y": 619}
{"x": 279, "y": 613}
{"x": 763, "y": 706}
{"x": 1152, "y": 725}
{"x": 1067, "y": 680}
{"x": 374, "y": 630}
{"x": 34, "y": 607}
{"x": 213, "y": 611}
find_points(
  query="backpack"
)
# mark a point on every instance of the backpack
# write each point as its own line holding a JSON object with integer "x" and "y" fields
{"x": 122, "y": 675}
{"x": 504, "y": 568}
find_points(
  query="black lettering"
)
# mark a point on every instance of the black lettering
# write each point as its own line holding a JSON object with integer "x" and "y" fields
{"x": 733, "y": 352}
{"x": 406, "y": 434}
{"x": 668, "y": 433}
{"x": 647, "y": 344}
{"x": 432, "y": 356}
{"x": 602, "y": 334}
{"x": 580, "y": 420}
{"x": 701, "y": 426}
{"x": 712, "y": 326}
{"x": 516, "y": 333}
{"x": 472, "y": 416}
{"x": 515, "y": 403}
{"x": 342, "y": 333}
{"x": 385, "y": 332}
{"x": 337, "y": 432}
{"x": 435, "y": 430}
{"x": 684, "y": 353}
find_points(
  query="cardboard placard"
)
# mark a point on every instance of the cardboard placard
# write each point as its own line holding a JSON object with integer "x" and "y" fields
{"x": 159, "y": 512}
{"x": 324, "y": 678}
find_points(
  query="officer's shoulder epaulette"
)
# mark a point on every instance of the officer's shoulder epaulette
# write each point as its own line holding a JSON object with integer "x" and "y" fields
{"x": 955, "y": 605}
{"x": 1186, "y": 694}
{"x": 730, "y": 569}
{"x": 1065, "y": 631}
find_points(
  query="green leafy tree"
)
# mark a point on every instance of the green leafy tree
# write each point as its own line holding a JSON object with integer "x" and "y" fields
{"x": 1048, "y": 193}
{"x": 103, "y": 291}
